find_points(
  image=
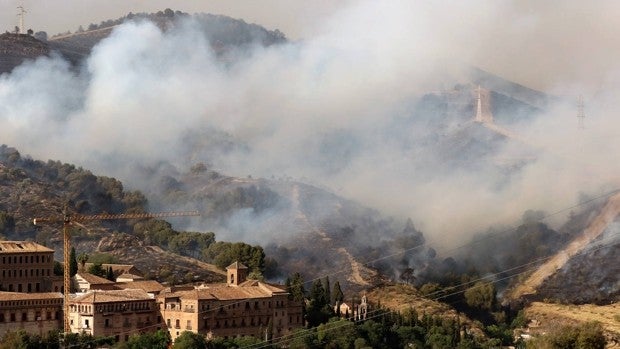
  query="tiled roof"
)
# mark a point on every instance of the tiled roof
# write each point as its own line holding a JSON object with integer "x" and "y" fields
{"x": 22, "y": 246}
{"x": 146, "y": 285}
{"x": 100, "y": 296}
{"x": 93, "y": 279}
{"x": 130, "y": 276}
{"x": 236, "y": 265}
{"x": 18, "y": 296}
{"x": 247, "y": 290}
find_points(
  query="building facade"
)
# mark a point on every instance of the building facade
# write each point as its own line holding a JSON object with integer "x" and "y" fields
{"x": 27, "y": 267}
{"x": 238, "y": 308}
{"x": 36, "y": 313}
{"x": 115, "y": 313}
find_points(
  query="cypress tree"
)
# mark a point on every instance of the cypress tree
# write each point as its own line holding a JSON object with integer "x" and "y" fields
{"x": 110, "y": 274}
{"x": 73, "y": 264}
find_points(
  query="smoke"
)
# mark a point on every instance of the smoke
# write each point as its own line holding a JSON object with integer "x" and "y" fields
{"x": 347, "y": 109}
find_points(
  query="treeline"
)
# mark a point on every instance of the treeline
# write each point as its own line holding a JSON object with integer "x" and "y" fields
{"x": 84, "y": 192}
{"x": 221, "y": 30}
{"x": 52, "y": 340}
{"x": 201, "y": 246}
{"x": 377, "y": 328}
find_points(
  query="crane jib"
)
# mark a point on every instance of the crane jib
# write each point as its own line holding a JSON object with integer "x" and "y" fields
{"x": 106, "y": 216}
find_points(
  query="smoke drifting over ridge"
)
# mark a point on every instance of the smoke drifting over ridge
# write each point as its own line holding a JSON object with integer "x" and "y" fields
{"x": 338, "y": 109}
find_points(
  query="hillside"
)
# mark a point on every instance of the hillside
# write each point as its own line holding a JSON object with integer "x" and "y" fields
{"x": 545, "y": 317}
{"x": 400, "y": 297}
{"x": 223, "y": 33}
{"x": 582, "y": 271}
{"x": 17, "y": 48}
{"x": 303, "y": 226}
{"x": 30, "y": 188}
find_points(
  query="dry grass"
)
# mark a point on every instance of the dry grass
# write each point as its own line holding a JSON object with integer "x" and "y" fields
{"x": 400, "y": 297}
{"x": 552, "y": 314}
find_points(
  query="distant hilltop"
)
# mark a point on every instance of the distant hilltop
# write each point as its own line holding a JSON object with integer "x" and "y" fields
{"x": 222, "y": 32}
{"x": 16, "y": 48}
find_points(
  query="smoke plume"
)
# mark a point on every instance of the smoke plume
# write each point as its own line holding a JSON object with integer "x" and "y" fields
{"x": 341, "y": 109}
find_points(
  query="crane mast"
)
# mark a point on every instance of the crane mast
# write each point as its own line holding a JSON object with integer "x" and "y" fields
{"x": 68, "y": 219}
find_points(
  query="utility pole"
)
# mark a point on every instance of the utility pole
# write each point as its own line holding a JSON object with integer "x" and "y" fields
{"x": 580, "y": 113}
{"x": 21, "y": 13}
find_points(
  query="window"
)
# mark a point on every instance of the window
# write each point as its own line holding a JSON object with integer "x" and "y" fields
{"x": 189, "y": 325}
{"x": 177, "y": 323}
{"x": 87, "y": 323}
{"x": 12, "y": 317}
{"x": 168, "y": 321}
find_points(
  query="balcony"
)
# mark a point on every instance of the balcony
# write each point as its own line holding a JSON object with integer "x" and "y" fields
{"x": 189, "y": 310}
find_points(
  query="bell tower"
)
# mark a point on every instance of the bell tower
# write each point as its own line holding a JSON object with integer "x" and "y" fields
{"x": 236, "y": 274}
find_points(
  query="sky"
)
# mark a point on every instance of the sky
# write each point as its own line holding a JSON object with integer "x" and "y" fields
{"x": 541, "y": 44}
{"x": 330, "y": 106}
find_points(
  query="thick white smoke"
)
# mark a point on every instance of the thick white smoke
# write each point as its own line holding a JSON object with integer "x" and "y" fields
{"x": 326, "y": 108}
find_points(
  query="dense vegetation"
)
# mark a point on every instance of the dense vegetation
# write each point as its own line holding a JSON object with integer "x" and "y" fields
{"x": 86, "y": 193}
{"x": 21, "y": 339}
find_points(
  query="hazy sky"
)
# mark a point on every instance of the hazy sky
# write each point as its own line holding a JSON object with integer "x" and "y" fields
{"x": 360, "y": 65}
{"x": 538, "y": 43}
{"x": 295, "y": 18}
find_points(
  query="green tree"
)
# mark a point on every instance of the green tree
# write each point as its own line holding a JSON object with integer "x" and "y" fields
{"x": 190, "y": 340}
{"x": 337, "y": 333}
{"x": 157, "y": 340}
{"x": 319, "y": 310}
{"x": 82, "y": 258}
{"x": 591, "y": 336}
{"x": 73, "y": 264}
{"x": 110, "y": 274}
{"x": 481, "y": 295}
{"x": 295, "y": 287}
{"x": 58, "y": 270}
{"x": 328, "y": 290}
{"x": 337, "y": 295}
{"x": 97, "y": 269}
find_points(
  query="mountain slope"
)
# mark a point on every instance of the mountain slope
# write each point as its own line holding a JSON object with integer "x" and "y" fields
{"x": 554, "y": 269}
{"x": 30, "y": 188}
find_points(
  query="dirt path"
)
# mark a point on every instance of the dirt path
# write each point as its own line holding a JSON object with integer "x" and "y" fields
{"x": 356, "y": 267}
{"x": 356, "y": 275}
{"x": 596, "y": 228}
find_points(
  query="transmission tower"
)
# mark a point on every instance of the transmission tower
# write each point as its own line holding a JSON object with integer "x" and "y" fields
{"x": 21, "y": 14}
{"x": 580, "y": 112}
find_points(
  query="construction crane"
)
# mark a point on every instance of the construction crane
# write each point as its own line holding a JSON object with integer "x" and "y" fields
{"x": 68, "y": 220}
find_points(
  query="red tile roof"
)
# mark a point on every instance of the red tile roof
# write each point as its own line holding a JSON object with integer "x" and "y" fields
{"x": 22, "y": 246}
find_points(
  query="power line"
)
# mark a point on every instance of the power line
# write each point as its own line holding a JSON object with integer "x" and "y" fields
{"x": 488, "y": 236}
